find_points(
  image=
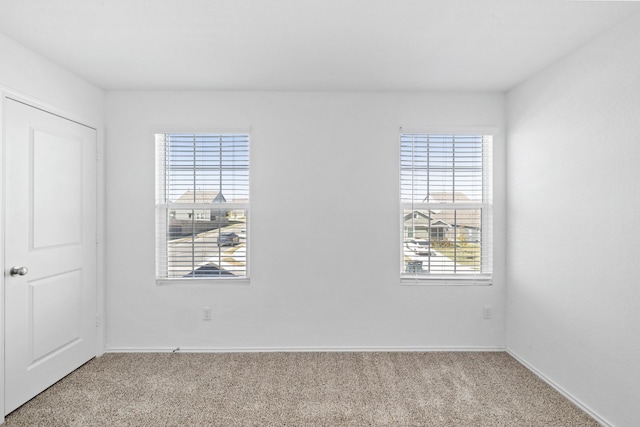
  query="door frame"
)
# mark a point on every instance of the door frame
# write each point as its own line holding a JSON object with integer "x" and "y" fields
{"x": 6, "y": 93}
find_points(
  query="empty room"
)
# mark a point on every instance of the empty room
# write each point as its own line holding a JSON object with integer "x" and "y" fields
{"x": 320, "y": 213}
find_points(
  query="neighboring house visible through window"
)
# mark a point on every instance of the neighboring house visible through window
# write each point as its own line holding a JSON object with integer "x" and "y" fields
{"x": 446, "y": 198}
{"x": 202, "y": 204}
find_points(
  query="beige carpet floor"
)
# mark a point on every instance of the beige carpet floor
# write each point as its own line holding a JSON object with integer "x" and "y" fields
{"x": 301, "y": 389}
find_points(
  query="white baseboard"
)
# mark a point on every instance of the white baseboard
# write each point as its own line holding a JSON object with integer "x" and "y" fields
{"x": 291, "y": 349}
{"x": 561, "y": 390}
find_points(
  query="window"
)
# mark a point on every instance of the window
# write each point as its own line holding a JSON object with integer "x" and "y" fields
{"x": 446, "y": 205}
{"x": 202, "y": 205}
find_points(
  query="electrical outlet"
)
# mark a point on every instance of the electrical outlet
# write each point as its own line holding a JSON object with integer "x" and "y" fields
{"x": 486, "y": 312}
{"x": 206, "y": 313}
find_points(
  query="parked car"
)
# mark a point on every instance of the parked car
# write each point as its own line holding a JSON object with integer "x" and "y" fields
{"x": 419, "y": 247}
{"x": 228, "y": 238}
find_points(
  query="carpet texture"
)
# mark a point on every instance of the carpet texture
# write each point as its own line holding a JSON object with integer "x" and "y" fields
{"x": 301, "y": 389}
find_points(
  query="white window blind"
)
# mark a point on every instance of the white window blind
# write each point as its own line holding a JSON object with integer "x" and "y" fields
{"x": 202, "y": 205}
{"x": 446, "y": 205}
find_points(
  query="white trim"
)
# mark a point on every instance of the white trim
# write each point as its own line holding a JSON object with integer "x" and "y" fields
{"x": 204, "y": 205}
{"x": 423, "y": 280}
{"x": 297, "y": 349}
{"x": 438, "y": 206}
{"x": 207, "y": 281}
{"x": 3, "y": 95}
{"x": 593, "y": 414}
{"x": 49, "y": 108}
{"x": 100, "y": 246}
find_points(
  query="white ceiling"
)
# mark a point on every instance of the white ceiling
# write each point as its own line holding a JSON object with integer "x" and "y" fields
{"x": 358, "y": 45}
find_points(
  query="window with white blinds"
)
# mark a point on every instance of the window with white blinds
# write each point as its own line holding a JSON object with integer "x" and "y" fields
{"x": 446, "y": 205}
{"x": 202, "y": 205}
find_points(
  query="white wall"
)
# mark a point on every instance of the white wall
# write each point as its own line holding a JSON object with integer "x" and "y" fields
{"x": 24, "y": 72}
{"x": 332, "y": 158}
{"x": 573, "y": 236}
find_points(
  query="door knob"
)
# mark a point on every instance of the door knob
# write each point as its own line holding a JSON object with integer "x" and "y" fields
{"x": 18, "y": 271}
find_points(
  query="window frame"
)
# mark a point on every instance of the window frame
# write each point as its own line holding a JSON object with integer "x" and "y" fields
{"x": 486, "y": 207}
{"x": 160, "y": 239}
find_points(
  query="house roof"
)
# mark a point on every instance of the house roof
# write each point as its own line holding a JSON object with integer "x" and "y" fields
{"x": 420, "y": 218}
{"x": 464, "y": 218}
{"x": 448, "y": 197}
{"x": 201, "y": 196}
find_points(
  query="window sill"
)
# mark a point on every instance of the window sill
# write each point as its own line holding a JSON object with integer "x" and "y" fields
{"x": 206, "y": 281}
{"x": 445, "y": 281}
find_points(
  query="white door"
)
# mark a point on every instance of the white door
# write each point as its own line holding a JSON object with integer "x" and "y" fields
{"x": 50, "y": 230}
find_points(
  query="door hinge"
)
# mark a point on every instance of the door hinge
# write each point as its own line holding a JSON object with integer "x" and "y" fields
{"x": 97, "y": 320}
